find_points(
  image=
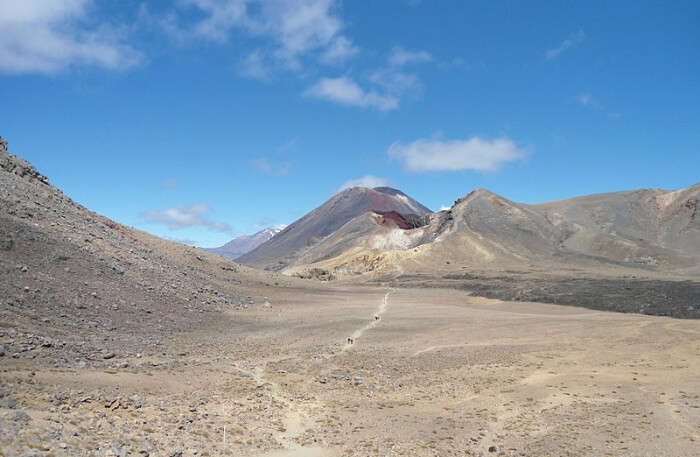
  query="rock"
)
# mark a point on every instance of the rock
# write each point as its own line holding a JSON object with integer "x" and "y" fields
{"x": 19, "y": 416}
{"x": 493, "y": 448}
{"x": 109, "y": 355}
{"x": 20, "y": 167}
{"x": 9, "y": 403}
{"x": 6, "y": 244}
{"x": 2, "y": 350}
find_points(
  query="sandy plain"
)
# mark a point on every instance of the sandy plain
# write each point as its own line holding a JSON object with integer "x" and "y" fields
{"x": 440, "y": 373}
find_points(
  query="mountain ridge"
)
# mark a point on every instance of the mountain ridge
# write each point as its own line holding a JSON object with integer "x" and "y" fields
{"x": 286, "y": 247}
{"x": 656, "y": 230}
{"x": 244, "y": 243}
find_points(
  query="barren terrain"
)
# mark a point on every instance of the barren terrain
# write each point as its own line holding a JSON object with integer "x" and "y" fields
{"x": 440, "y": 373}
{"x": 114, "y": 342}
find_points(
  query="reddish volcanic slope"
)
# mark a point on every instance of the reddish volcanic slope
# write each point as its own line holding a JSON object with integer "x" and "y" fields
{"x": 405, "y": 222}
{"x": 293, "y": 241}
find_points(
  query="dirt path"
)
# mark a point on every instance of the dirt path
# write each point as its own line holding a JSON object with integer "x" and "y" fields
{"x": 438, "y": 347}
{"x": 376, "y": 319}
{"x": 296, "y": 419}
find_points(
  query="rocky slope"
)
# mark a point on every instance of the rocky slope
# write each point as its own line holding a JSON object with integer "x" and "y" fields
{"x": 70, "y": 277}
{"x": 245, "y": 243}
{"x": 295, "y": 240}
{"x": 99, "y": 322}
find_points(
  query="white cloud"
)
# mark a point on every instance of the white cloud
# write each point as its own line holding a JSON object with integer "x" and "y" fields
{"x": 296, "y": 27}
{"x": 339, "y": 50}
{"x": 271, "y": 167}
{"x": 445, "y": 208}
{"x": 346, "y": 92}
{"x": 186, "y": 216}
{"x": 573, "y": 40}
{"x": 254, "y": 66}
{"x": 45, "y": 36}
{"x": 365, "y": 181}
{"x": 400, "y": 56}
{"x": 472, "y": 154}
{"x": 394, "y": 81}
{"x": 220, "y": 16}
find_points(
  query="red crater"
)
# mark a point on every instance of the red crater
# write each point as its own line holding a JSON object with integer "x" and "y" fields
{"x": 401, "y": 221}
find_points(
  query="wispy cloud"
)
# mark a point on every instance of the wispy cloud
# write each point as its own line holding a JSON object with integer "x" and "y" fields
{"x": 471, "y": 154}
{"x": 393, "y": 77}
{"x": 586, "y": 99}
{"x": 288, "y": 30}
{"x": 186, "y": 216}
{"x": 340, "y": 50}
{"x": 169, "y": 184}
{"x": 254, "y": 66}
{"x": 365, "y": 181}
{"x": 271, "y": 167}
{"x": 396, "y": 82}
{"x": 400, "y": 56}
{"x": 345, "y": 91}
{"x": 288, "y": 146}
{"x": 49, "y": 36}
{"x": 390, "y": 83}
{"x": 573, "y": 40}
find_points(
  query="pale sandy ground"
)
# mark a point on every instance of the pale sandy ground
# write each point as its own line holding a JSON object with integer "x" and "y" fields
{"x": 440, "y": 374}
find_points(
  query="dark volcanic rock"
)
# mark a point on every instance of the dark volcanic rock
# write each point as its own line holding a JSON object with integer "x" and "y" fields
{"x": 680, "y": 299}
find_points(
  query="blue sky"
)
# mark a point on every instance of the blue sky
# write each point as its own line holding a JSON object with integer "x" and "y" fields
{"x": 200, "y": 120}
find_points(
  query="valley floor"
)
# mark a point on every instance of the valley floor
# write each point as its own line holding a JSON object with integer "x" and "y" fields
{"x": 432, "y": 372}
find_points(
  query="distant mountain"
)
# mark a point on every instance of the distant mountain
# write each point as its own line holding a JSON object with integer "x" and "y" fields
{"x": 651, "y": 229}
{"x": 244, "y": 244}
{"x": 291, "y": 243}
